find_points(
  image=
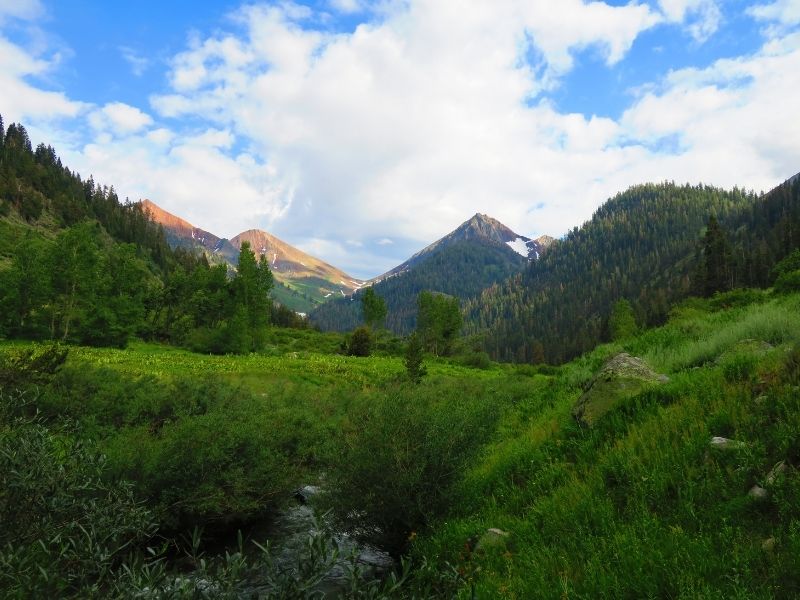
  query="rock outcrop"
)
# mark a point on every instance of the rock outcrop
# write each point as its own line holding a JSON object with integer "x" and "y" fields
{"x": 621, "y": 378}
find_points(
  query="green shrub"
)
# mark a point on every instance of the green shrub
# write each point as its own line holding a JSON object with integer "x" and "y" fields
{"x": 360, "y": 343}
{"x": 788, "y": 283}
{"x": 393, "y": 466}
{"x": 65, "y": 531}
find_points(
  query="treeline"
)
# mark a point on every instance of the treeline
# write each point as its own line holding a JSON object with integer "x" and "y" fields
{"x": 644, "y": 245}
{"x": 462, "y": 270}
{"x": 88, "y": 269}
{"x": 35, "y": 182}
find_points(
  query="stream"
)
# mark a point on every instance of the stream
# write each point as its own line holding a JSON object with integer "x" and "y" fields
{"x": 289, "y": 535}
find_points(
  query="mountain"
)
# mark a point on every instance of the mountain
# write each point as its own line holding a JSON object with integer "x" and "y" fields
{"x": 482, "y": 229}
{"x": 480, "y": 252}
{"x": 302, "y": 281}
{"x": 643, "y": 245}
{"x": 181, "y": 233}
{"x": 299, "y": 270}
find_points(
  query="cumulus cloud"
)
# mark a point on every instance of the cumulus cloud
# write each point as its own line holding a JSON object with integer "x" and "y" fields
{"x": 785, "y": 12}
{"x": 20, "y": 9}
{"x": 702, "y": 17}
{"x": 22, "y": 101}
{"x": 363, "y": 147}
{"x": 423, "y": 111}
{"x": 119, "y": 118}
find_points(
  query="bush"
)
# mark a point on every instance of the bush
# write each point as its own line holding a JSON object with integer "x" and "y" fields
{"x": 65, "y": 532}
{"x": 360, "y": 343}
{"x": 393, "y": 467}
{"x": 788, "y": 283}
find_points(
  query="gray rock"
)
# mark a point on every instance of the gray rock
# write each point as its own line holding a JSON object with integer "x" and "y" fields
{"x": 493, "y": 538}
{"x": 621, "y": 378}
{"x": 305, "y": 493}
{"x": 722, "y": 443}
{"x": 758, "y": 493}
{"x": 779, "y": 469}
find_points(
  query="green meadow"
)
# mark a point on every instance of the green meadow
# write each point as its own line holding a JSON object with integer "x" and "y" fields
{"x": 638, "y": 505}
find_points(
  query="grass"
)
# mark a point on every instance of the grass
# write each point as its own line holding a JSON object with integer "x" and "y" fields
{"x": 638, "y": 506}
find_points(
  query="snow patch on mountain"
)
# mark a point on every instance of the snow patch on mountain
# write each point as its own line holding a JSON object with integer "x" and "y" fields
{"x": 519, "y": 246}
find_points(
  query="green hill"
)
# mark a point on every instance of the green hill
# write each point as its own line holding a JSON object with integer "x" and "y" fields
{"x": 642, "y": 245}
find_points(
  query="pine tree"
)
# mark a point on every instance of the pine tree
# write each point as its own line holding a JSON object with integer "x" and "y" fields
{"x": 414, "y": 356}
{"x": 717, "y": 259}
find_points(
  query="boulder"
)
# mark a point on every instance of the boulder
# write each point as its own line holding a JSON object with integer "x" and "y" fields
{"x": 621, "y": 378}
{"x": 758, "y": 493}
{"x": 493, "y": 538}
{"x": 778, "y": 470}
{"x": 722, "y": 443}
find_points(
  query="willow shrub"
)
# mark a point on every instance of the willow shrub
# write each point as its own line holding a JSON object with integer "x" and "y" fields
{"x": 398, "y": 456}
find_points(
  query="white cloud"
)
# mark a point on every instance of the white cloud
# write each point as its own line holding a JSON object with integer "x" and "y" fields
{"x": 702, "y": 17}
{"x": 363, "y": 147}
{"x": 21, "y": 101}
{"x": 785, "y": 12}
{"x": 20, "y": 9}
{"x": 119, "y": 118}
{"x": 138, "y": 63}
{"x": 347, "y": 6}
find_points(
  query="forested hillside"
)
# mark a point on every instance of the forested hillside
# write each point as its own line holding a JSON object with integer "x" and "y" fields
{"x": 79, "y": 266}
{"x": 643, "y": 245}
{"x": 461, "y": 269}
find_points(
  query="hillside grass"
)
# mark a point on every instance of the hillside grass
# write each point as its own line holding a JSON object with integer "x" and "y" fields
{"x": 641, "y": 506}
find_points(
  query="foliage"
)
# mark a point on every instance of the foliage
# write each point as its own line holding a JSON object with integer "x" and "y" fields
{"x": 360, "y": 343}
{"x": 373, "y": 308}
{"x": 398, "y": 457}
{"x": 81, "y": 288}
{"x": 622, "y": 323}
{"x": 642, "y": 505}
{"x": 415, "y": 367}
{"x": 438, "y": 322}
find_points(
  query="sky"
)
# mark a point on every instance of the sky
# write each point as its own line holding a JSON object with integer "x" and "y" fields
{"x": 362, "y": 131}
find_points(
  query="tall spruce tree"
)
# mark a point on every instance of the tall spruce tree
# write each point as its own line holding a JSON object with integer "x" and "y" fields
{"x": 717, "y": 259}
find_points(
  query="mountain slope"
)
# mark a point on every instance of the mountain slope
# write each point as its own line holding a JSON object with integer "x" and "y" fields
{"x": 302, "y": 281}
{"x": 641, "y": 245}
{"x": 480, "y": 252}
{"x": 480, "y": 228}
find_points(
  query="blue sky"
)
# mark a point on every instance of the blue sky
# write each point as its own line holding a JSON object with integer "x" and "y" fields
{"x": 361, "y": 131}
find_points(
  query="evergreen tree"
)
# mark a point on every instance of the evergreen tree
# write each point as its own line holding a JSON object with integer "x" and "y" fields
{"x": 373, "y": 308}
{"x": 252, "y": 286}
{"x": 414, "y": 359}
{"x": 717, "y": 259}
{"x": 360, "y": 342}
{"x": 622, "y": 323}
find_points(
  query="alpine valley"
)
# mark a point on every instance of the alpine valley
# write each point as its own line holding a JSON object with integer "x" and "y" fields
{"x": 613, "y": 414}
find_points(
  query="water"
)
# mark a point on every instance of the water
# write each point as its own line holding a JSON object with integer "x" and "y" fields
{"x": 299, "y": 532}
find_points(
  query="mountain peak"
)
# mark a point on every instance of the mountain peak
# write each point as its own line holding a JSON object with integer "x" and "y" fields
{"x": 482, "y": 229}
